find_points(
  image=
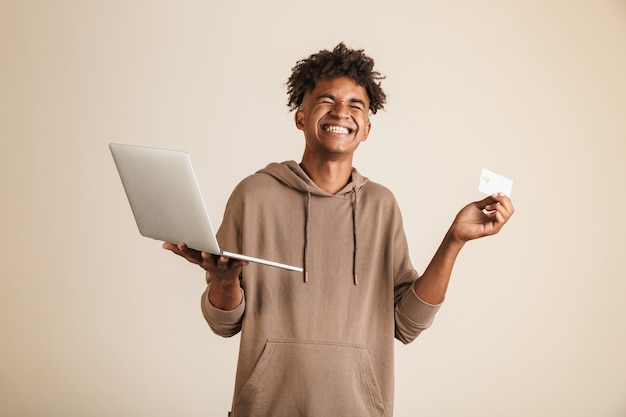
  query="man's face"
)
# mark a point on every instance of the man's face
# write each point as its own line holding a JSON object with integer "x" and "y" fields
{"x": 334, "y": 117}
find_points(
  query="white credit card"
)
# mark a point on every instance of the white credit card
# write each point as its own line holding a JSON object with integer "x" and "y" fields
{"x": 492, "y": 183}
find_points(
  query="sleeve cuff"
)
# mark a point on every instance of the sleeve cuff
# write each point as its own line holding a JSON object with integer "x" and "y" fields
{"x": 218, "y": 317}
{"x": 417, "y": 310}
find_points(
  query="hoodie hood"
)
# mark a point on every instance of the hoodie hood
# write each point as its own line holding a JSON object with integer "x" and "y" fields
{"x": 293, "y": 176}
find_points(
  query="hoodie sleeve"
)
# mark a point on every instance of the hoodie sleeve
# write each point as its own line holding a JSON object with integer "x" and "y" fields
{"x": 413, "y": 315}
{"x": 223, "y": 323}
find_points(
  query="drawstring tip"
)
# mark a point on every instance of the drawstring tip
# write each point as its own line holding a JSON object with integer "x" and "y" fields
{"x": 306, "y": 276}
{"x": 356, "y": 280}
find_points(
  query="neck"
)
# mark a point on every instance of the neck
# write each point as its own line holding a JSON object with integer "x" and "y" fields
{"x": 330, "y": 176}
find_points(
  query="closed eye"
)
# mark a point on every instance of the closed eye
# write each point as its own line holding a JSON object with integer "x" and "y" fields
{"x": 358, "y": 104}
{"x": 326, "y": 99}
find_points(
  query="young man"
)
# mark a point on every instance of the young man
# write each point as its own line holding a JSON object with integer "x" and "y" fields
{"x": 320, "y": 343}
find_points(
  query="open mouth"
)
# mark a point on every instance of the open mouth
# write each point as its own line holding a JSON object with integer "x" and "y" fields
{"x": 337, "y": 129}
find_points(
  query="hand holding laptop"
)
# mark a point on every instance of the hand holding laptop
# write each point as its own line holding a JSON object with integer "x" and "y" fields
{"x": 213, "y": 264}
{"x": 225, "y": 291}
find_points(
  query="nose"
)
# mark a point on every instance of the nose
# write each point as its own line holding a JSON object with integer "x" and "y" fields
{"x": 340, "y": 109}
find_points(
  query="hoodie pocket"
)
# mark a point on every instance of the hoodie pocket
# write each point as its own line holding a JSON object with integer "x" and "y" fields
{"x": 302, "y": 378}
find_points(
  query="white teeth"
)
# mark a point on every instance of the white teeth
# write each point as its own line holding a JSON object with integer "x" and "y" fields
{"x": 336, "y": 129}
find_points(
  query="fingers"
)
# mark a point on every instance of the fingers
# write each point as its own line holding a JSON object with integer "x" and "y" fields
{"x": 222, "y": 261}
{"x": 482, "y": 218}
{"x": 169, "y": 246}
{"x": 181, "y": 249}
{"x": 205, "y": 260}
{"x": 491, "y": 202}
{"x": 505, "y": 202}
{"x": 497, "y": 207}
{"x": 207, "y": 257}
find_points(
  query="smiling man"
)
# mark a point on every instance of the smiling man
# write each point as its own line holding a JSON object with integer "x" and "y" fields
{"x": 321, "y": 343}
{"x": 334, "y": 118}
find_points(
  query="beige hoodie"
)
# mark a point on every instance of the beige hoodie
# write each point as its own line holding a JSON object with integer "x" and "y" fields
{"x": 318, "y": 343}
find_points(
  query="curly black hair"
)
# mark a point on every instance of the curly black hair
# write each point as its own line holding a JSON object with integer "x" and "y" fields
{"x": 341, "y": 61}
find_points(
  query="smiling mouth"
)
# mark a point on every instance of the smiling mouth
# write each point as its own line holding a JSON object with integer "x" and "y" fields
{"x": 337, "y": 129}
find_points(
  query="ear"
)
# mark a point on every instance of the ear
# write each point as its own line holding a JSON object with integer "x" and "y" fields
{"x": 299, "y": 119}
{"x": 366, "y": 131}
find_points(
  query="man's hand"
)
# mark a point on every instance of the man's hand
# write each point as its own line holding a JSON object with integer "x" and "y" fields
{"x": 223, "y": 273}
{"x": 221, "y": 268}
{"x": 481, "y": 218}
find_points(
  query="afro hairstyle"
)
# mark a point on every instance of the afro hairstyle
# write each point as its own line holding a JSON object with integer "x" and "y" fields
{"x": 341, "y": 61}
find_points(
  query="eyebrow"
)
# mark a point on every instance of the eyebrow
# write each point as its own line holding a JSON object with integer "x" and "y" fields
{"x": 352, "y": 100}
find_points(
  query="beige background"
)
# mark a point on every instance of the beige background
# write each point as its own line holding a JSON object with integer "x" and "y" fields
{"x": 98, "y": 321}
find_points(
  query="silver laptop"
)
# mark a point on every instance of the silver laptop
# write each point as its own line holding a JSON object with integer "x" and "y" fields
{"x": 165, "y": 198}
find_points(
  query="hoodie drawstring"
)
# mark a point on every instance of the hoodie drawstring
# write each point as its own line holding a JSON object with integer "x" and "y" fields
{"x": 354, "y": 275}
{"x": 306, "y": 235}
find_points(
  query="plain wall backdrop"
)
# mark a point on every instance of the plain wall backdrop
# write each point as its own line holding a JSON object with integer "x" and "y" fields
{"x": 97, "y": 321}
